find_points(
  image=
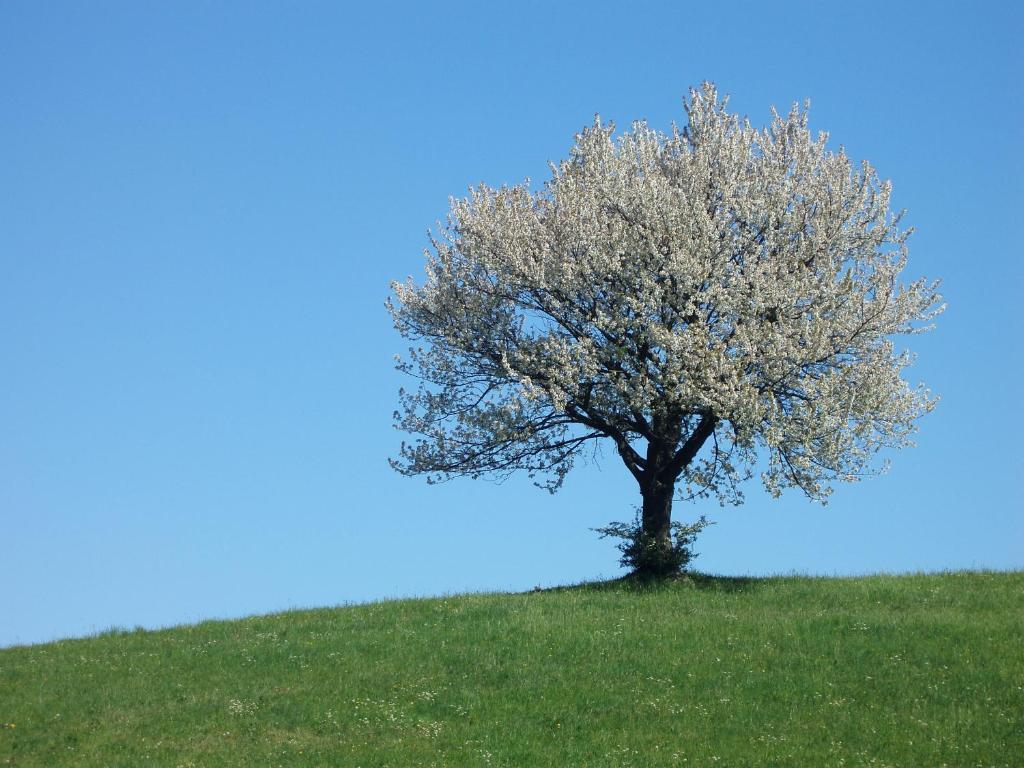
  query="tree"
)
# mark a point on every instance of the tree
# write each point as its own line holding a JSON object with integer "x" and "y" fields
{"x": 711, "y": 300}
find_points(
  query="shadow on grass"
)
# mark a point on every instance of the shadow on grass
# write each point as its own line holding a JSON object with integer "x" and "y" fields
{"x": 696, "y": 581}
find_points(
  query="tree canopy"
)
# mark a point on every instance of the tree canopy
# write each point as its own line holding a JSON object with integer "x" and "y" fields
{"x": 711, "y": 301}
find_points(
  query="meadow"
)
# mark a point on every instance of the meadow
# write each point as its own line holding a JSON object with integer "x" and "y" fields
{"x": 915, "y": 670}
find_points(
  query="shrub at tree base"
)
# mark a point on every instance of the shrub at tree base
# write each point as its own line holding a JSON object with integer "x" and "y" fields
{"x": 647, "y": 556}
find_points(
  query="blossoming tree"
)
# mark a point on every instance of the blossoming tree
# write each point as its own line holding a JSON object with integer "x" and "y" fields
{"x": 710, "y": 301}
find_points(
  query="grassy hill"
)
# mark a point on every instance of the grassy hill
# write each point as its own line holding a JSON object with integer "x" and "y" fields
{"x": 878, "y": 671}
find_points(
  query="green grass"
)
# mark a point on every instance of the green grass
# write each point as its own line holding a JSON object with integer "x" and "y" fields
{"x": 923, "y": 670}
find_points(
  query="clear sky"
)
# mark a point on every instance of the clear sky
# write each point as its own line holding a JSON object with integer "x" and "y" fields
{"x": 202, "y": 204}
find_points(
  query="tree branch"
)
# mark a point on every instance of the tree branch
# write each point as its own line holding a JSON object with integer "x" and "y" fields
{"x": 682, "y": 458}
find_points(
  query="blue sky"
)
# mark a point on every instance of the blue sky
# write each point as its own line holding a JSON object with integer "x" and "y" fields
{"x": 202, "y": 205}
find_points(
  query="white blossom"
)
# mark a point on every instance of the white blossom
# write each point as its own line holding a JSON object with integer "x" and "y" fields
{"x": 709, "y": 300}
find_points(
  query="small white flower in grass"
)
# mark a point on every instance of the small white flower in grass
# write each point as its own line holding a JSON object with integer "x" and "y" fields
{"x": 239, "y": 707}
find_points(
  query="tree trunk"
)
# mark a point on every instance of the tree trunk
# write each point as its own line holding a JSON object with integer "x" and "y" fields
{"x": 656, "y": 520}
{"x": 664, "y": 462}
